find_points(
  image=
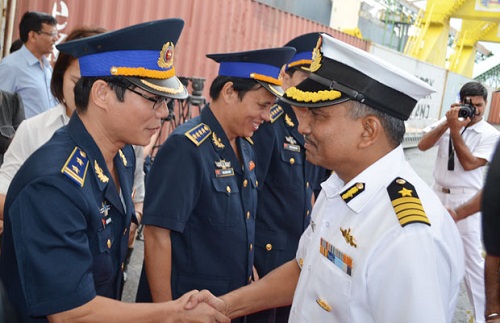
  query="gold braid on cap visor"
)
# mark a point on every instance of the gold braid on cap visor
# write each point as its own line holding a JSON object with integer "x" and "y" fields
{"x": 142, "y": 72}
{"x": 300, "y": 62}
{"x": 302, "y": 96}
{"x": 265, "y": 78}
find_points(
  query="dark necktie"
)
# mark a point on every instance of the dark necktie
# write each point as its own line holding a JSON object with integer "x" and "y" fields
{"x": 451, "y": 156}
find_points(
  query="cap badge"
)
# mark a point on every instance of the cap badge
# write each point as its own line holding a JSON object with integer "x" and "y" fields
{"x": 166, "y": 59}
{"x": 316, "y": 56}
{"x": 346, "y": 233}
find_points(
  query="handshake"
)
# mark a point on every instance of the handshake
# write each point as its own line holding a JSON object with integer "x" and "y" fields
{"x": 201, "y": 307}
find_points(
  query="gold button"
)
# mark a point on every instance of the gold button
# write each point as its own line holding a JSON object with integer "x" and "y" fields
{"x": 269, "y": 247}
{"x": 228, "y": 189}
{"x": 256, "y": 183}
{"x": 251, "y": 247}
{"x": 248, "y": 214}
{"x": 123, "y": 265}
{"x": 307, "y": 184}
{"x": 324, "y": 305}
{"x": 245, "y": 183}
{"x": 125, "y": 231}
{"x": 292, "y": 161}
{"x": 307, "y": 213}
{"x": 301, "y": 262}
{"x": 400, "y": 181}
{"x": 109, "y": 244}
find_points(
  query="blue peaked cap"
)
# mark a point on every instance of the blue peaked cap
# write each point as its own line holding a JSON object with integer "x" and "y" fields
{"x": 142, "y": 53}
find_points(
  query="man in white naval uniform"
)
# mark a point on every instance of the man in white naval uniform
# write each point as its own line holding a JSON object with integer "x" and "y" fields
{"x": 380, "y": 247}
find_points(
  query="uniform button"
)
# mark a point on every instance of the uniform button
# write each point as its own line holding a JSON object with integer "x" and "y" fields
{"x": 269, "y": 247}
{"x": 292, "y": 161}
{"x": 307, "y": 212}
{"x": 256, "y": 183}
{"x": 125, "y": 231}
{"x": 109, "y": 244}
{"x": 248, "y": 215}
{"x": 301, "y": 262}
{"x": 228, "y": 189}
{"x": 251, "y": 247}
{"x": 307, "y": 184}
{"x": 245, "y": 183}
{"x": 327, "y": 224}
{"x": 123, "y": 265}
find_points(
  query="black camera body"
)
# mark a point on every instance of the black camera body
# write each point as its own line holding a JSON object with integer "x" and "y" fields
{"x": 467, "y": 111}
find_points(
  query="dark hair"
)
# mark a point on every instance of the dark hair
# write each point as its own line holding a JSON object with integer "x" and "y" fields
{"x": 32, "y": 21}
{"x": 394, "y": 127}
{"x": 16, "y": 45}
{"x": 84, "y": 85}
{"x": 473, "y": 89}
{"x": 240, "y": 85}
{"x": 64, "y": 60}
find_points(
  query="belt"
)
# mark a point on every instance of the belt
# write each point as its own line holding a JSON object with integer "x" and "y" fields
{"x": 456, "y": 190}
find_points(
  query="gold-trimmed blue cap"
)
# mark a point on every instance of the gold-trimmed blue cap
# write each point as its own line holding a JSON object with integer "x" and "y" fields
{"x": 262, "y": 65}
{"x": 142, "y": 53}
{"x": 341, "y": 72}
{"x": 304, "y": 46}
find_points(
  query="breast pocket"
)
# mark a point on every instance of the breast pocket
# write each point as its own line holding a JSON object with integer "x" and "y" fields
{"x": 103, "y": 261}
{"x": 288, "y": 174}
{"x": 226, "y": 203}
{"x": 329, "y": 294}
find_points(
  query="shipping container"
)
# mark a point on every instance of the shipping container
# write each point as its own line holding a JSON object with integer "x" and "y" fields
{"x": 211, "y": 26}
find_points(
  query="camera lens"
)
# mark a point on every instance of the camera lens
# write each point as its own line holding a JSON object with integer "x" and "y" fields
{"x": 467, "y": 111}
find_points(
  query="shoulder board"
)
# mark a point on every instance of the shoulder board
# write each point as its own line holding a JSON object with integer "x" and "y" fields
{"x": 276, "y": 112}
{"x": 352, "y": 192}
{"x": 198, "y": 134}
{"x": 406, "y": 203}
{"x": 249, "y": 140}
{"x": 76, "y": 166}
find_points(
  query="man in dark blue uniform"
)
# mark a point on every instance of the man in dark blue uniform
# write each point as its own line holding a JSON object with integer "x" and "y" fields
{"x": 286, "y": 180}
{"x": 69, "y": 207}
{"x": 201, "y": 201}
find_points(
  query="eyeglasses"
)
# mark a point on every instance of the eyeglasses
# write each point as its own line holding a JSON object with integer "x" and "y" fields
{"x": 157, "y": 102}
{"x": 52, "y": 34}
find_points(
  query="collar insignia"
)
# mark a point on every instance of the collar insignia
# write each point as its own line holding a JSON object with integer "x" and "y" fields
{"x": 76, "y": 166}
{"x": 352, "y": 192}
{"x": 289, "y": 121}
{"x": 217, "y": 141}
{"x": 98, "y": 170}
{"x": 122, "y": 156}
{"x": 346, "y": 233}
{"x": 166, "y": 59}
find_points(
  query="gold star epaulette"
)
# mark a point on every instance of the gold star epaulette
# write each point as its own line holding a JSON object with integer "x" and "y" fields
{"x": 198, "y": 134}
{"x": 406, "y": 203}
{"x": 76, "y": 166}
{"x": 276, "y": 112}
{"x": 352, "y": 192}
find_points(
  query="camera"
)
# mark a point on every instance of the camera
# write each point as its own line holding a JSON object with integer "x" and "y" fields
{"x": 467, "y": 111}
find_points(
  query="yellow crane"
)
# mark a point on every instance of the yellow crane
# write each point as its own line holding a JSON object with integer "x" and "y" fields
{"x": 480, "y": 22}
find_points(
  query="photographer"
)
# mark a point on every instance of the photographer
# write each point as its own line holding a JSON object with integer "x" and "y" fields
{"x": 466, "y": 143}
